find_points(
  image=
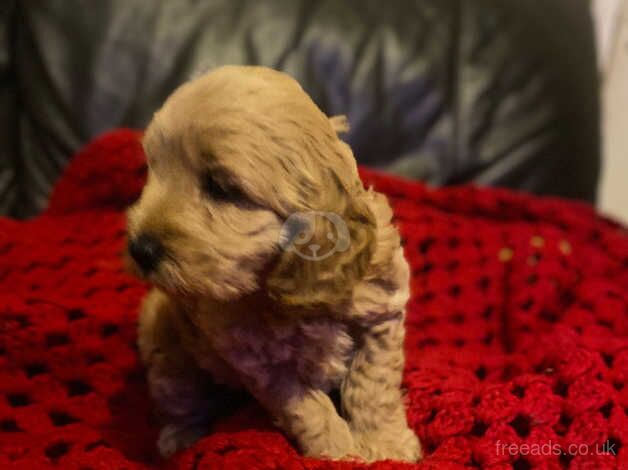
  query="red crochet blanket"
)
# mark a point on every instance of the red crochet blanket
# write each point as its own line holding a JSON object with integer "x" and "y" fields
{"x": 517, "y": 344}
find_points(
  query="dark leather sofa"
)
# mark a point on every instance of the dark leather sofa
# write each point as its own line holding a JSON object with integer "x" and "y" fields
{"x": 449, "y": 91}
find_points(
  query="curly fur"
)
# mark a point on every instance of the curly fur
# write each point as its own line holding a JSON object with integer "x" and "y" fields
{"x": 231, "y": 307}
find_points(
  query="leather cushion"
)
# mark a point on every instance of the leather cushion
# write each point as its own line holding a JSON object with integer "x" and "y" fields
{"x": 447, "y": 91}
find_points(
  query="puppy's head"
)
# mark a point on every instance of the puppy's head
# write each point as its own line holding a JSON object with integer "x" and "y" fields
{"x": 248, "y": 185}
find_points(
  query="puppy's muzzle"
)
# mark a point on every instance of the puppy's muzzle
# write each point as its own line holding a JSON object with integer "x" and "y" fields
{"x": 146, "y": 251}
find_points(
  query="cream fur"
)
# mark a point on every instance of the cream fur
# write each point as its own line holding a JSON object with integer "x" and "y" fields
{"x": 229, "y": 303}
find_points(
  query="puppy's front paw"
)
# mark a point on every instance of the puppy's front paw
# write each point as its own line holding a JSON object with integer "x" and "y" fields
{"x": 174, "y": 438}
{"x": 401, "y": 445}
{"x": 335, "y": 444}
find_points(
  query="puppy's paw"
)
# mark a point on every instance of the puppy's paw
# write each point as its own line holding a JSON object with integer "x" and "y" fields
{"x": 174, "y": 438}
{"x": 395, "y": 444}
{"x": 336, "y": 444}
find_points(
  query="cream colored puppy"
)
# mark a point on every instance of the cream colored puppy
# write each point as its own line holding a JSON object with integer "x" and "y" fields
{"x": 275, "y": 270}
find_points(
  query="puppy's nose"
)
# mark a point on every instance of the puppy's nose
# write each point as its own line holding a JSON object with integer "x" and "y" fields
{"x": 146, "y": 250}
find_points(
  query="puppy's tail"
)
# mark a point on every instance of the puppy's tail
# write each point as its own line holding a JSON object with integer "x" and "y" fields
{"x": 340, "y": 124}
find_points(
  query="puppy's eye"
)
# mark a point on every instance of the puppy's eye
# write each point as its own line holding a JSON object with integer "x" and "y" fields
{"x": 220, "y": 191}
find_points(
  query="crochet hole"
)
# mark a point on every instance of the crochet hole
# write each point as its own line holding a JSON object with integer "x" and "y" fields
{"x": 18, "y": 400}
{"x": 62, "y": 262}
{"x": 20, "y": 320}
{"x": 480, "y": 372}
{"x": 567, "y": 298}
{"x": 607, "y": 409}
{"x": 522, "y": 425}
{"x": 563, "y": 424}
{"x": 479, "y": 429}
{"x": 430, "y": 418}
{"x": 426, "y": 268}
{"x": 226, "y": 449}
{"x": 595, "y": 235}
{"x": 61, "y": 418}
{"x": 455, "y": 290}
{"x": 549, "y": 317}
{"x": 521, "y": 464}
{"x": 425, "y": 245}
{"x": 429, "y": 447}
{"x": 518, "y": 391}
{"x": 108, "y": 330}
{"x": 544, "y": 367}
{"x": 78, "y": 388}
{"x": 56, "y": 339}
{"x": 608, "y": 360}
{"x": 453, "y": 243}
{"x": 561, "y": 389}
{"x": 473, "y": 463}
{"x": 57, "y": 450}
{"x": 96, "y": 444}
{"x": 613, "y": 295}
{"x": 34, "y": 264}
{"x": 534, "y": 259}
{"x": 487, "y": 313}
{"x": 76, "y": 314}
{"x": 484, "y": 283}
{"x": 90, "y": 291}
{"x": 90, "y": 272}
{"x": 9, "y": 425}
{"x": 34, "y": 369}
{"x": 94, "y": 359}
{"x": 427, "y": 342}
{"x": 565, "y": 459}
{"x": 528, "y": 304}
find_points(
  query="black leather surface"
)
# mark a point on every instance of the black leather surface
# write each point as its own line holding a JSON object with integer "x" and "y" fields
{"x": 8, "y": 185}
{"x": 449, "y": 91}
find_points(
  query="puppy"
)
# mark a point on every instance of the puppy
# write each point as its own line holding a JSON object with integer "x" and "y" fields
{"x": 274, "y": 271}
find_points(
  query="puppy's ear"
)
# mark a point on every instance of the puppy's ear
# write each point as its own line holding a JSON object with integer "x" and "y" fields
{"x": 339, "y": 124}
{"x": 323, "y": 254}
